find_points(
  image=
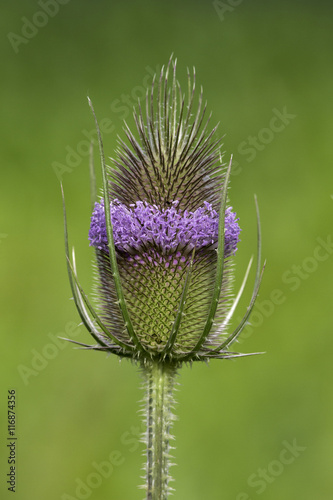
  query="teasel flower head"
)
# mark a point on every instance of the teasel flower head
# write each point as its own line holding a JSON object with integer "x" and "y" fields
{"x": 164, "y": 236}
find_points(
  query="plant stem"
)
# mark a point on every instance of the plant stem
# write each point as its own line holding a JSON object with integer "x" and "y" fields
{"x": 160, "y": 379}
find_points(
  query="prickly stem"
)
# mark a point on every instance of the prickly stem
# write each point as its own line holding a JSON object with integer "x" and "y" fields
{"x": 159, "y": 380}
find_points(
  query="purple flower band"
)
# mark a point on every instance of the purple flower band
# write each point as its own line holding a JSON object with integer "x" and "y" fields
{"x": 142, "y": 224}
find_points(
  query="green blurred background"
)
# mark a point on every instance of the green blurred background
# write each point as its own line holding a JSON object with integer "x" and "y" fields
{"x": 236, "y": 418}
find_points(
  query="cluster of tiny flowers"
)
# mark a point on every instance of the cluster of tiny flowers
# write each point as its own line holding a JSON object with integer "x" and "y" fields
{"x": 142, "y": 223}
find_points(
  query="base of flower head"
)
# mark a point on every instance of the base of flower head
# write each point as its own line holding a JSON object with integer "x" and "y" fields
{"x": 120, "y": 344}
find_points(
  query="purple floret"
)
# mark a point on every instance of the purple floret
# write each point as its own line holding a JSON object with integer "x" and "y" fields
{"x": 142, "y": 224}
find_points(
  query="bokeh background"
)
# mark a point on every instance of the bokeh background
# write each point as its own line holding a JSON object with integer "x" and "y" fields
{"x": 258, "y": 427}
